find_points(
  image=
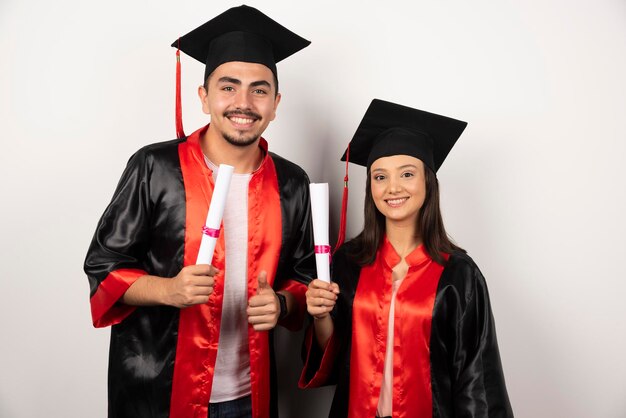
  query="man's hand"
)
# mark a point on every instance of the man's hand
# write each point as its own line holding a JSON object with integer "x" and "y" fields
{"x": 321, "y": 298}
{"x": 264, "y": 307}
{"x": 191, "y": 286}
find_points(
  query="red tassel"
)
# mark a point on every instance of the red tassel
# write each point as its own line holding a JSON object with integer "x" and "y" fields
{"x": 344, "y": 206}
{"x": 180, "y": 133}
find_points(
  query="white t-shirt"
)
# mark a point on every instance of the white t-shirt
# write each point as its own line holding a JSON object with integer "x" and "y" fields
{"x": 231, "y": 378}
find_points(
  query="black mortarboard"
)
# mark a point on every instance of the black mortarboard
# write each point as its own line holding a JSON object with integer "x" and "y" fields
{"x": 392, "y": 129}
{"x": 240, "y": 34}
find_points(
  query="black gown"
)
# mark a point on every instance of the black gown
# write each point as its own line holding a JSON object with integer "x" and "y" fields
{"x": 446, "y": 358}
{"x": 161, "y": 358}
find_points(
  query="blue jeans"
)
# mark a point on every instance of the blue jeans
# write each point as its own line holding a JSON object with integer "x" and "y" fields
{"x": 237, "y": 408}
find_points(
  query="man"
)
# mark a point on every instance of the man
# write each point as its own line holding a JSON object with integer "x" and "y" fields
{"x": 189, "y": 340}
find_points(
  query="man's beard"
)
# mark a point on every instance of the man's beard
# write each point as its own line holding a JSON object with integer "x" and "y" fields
{"x": 241, "y": 140}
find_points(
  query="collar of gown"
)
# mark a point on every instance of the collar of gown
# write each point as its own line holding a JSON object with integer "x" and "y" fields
{"x": 195, "y": 138}
{"x": 391, "y": 258}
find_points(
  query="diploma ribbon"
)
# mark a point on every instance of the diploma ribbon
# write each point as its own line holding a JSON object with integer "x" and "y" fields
{"x": 213, "y": 233}
{"x": 322, "y": 249}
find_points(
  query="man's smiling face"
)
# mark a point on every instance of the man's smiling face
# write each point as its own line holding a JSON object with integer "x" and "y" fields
{"x": 241, "y": 99}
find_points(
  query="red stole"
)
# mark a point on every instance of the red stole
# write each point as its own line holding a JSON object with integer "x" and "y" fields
{"x": 412, "y": 393}
{"x": 199, "y": 325}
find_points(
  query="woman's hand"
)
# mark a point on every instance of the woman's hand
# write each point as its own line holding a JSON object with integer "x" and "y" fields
{"x": 321, "y": 298}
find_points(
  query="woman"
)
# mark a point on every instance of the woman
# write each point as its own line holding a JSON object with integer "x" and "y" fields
{"x": 405, "y": 329}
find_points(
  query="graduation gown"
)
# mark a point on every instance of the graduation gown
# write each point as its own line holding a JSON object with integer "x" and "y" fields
{"x": 162, "y": 358}
{"x": 445, "y": 357}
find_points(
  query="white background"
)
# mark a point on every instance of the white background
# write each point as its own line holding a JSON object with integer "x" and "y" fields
{"x": 535, "y": 188}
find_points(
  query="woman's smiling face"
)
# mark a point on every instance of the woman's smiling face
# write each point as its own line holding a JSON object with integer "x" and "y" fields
{"x": 398, "y": 187}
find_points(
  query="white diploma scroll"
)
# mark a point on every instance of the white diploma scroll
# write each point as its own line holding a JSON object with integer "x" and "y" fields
{"x": 211, "y": 230}
{"x": 319, "y": 209}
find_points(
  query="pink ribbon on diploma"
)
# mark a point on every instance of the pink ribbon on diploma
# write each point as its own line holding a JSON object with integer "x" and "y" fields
{"x": 213, "y": 233}
{"x": 322, "y": 249}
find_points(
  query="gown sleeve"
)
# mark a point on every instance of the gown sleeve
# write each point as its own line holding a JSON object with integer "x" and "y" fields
{"x": 477, "y": 381}
{"x": 324, "y": 367}
{"x": 113, "y": 261}
{"x": 319, "y": 365}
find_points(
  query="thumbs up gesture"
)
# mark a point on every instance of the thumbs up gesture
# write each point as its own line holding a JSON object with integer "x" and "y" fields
{"x": 264, "y": 307}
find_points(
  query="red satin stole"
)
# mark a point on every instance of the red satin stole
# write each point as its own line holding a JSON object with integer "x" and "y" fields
{"x": 412, "y": 395}
{"x": 199, "y": 325}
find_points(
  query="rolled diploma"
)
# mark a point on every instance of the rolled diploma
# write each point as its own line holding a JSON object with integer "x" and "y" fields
{"x": 211, "y": 230}
{"x": 319, "y": 210}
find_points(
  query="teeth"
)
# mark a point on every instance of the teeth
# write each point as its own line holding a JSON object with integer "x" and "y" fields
{"x": 241, "y": 121}
{"x": 396, "y": 201}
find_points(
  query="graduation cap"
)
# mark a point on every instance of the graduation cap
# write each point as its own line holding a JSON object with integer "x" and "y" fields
{"x": 239, "y": 34}
{"x": 391, "y": 129}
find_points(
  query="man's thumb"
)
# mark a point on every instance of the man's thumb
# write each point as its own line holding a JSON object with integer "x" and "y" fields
{"x": 262, "y": 279}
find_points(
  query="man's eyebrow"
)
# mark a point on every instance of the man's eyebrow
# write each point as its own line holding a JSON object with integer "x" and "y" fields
{"x": 229, "y": 80}
{"x": 261, "y": 83}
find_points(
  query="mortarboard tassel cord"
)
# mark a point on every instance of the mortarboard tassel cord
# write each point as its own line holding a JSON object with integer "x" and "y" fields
{"x": 179, "y": 110}
{"x": 344, "y": 206}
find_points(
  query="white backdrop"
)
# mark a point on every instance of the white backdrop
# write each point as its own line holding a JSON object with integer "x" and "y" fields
{"x": 535, "y": 188}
